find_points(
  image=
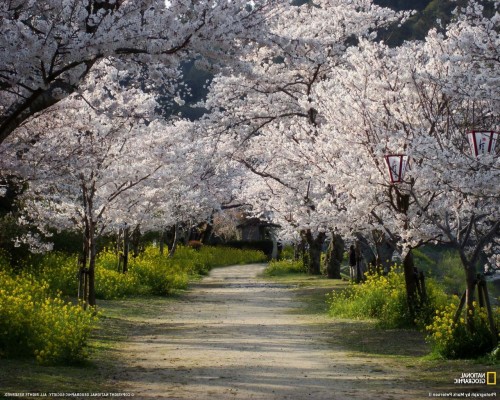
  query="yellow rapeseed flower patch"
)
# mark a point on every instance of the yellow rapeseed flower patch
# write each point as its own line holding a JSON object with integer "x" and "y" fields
{"x": 33, "y": 322}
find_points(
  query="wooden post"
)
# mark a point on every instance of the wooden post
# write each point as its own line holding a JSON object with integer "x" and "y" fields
{"x": 423, "y": 289}
{"x": 491, "y": 321}
{"x": 459, "y": 309}
{"x": 126, "y": 247}
{"x": 480, "y": 292}
{"x": 80, "y": 277}
{"x": 85, "y": 288}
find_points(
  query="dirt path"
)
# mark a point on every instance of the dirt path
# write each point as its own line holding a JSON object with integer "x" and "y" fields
{"x": 234, "y": 336}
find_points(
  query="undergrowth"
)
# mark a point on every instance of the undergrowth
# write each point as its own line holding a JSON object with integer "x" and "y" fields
{"x": 38, "y": 320}
{"x": 284, "y": 267}
{"x": 383, "y": 298}
{"x": 36, "y": 323}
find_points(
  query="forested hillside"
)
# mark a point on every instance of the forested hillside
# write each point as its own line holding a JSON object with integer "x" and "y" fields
{"x": 428, "y": 12}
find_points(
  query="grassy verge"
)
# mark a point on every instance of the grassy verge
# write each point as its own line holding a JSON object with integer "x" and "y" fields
{"x": 36, "y": 320}
{"x": 395, "y": 348}
{"x": 96, "y": 375}
{"x": 25, "y": 375}
{"x": 311, "y": 290}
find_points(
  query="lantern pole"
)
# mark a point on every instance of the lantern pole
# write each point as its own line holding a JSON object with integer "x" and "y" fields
{"x": 400, "y": 201}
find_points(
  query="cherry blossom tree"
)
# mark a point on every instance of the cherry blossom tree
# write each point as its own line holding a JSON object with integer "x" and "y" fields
{"x": 419, "y": 104}
{"x": 466, "y": 69}
{"x": 199, "y": 184}
{"x": 48, "y": 47}
{"x": 268, "y": 118}
{"x": 84, "y": 166}
{"x": 319, "y": 152}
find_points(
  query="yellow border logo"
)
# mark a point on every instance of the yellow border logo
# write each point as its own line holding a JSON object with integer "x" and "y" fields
{"x": 491, "y": 378}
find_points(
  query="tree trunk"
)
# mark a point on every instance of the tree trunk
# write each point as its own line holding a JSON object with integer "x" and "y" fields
{"x": 364, "y": 251}
{"x": 174, "y": 244}
{"x": 411, "y": 277}
{"x": 334, "y": 256}
{"x": 361, "y": 264}
{"x": 136, "y": 241}
{"x": 384, "y": 250}
{"x": 296, "y": 250}
{"x": 274, "y": 251}
{"x": 315, "y": 247}
{"x": 207, "y": 232}
{"x": 118, "y": 252}
{"x": 162, "y": 241}
{"x": 84, "y": 271}
{"x": 126, "y": 246}
{"x": 82, "y": 284}
{"x": 91, "y": 272}
{"x": 471, "y": 282}
{"x": 304, "y": 250}
{"x": 183, "y": 234}
{"x": 315, "y": 259}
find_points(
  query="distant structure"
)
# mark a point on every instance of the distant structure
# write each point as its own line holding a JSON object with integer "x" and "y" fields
{"x": 253, "y": 229}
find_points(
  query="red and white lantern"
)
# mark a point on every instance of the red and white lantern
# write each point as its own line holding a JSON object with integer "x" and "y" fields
{"x": 482, "y": 142}
{"x": 397, "y": 164}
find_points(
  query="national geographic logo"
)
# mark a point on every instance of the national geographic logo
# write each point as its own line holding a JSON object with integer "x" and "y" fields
{"x": 477, "y": 378}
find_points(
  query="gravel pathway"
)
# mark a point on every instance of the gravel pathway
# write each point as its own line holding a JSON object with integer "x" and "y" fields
{"x": 233, "y": 336}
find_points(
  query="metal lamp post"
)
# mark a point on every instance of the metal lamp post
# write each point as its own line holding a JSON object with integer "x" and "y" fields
{"x": 398, "y": 163}
{"x": 415, "y": 280}
{"x": 481, "y": 143}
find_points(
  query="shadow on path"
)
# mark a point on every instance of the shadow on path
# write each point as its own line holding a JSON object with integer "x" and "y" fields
{"x": 232, "y": 336}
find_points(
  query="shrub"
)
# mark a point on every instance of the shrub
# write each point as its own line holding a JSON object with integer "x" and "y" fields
{"x": 32, "y": 323}
{"x": 266, "y": 246}
{"x": 61, "y": 332}
{"x": 60, "y": 271}
{"x": 288, "y": 253}
{"x": 159, "y": 274}
{"x": 384, "y": 298}
{"x": 283, "y": 267}
{"x": 107, "y": 259}
{"x": 366, "y": 300}
{"x": 455, "y": 340}
{"x": 221, "y": 256}
{"x": 194, "y": 262}
{"x": 150, "y": 272}
{"x": 112, "y": 284}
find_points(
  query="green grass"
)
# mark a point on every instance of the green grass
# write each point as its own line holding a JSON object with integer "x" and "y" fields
{"x": 25, "y": 375}
{"x": 303, "y": 280}
{"x": 395, "y": 348}
{"x": 398, "y": 348}
{"x": 311, "y": 290}
{"x": 284, "y": 267}
{"x": 96, "y": 374}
